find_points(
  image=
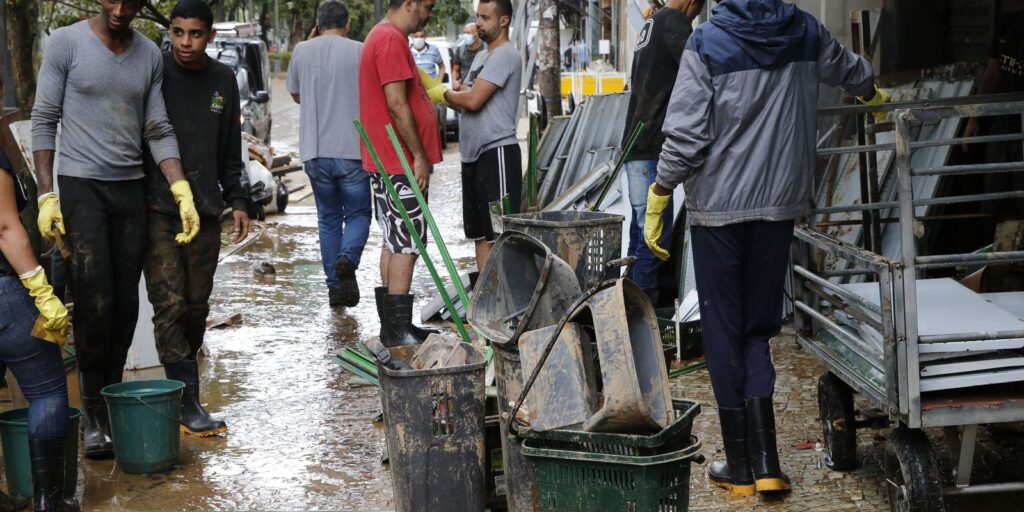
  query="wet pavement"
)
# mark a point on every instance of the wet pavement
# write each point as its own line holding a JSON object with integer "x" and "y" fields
{"x": 302, "y": 438}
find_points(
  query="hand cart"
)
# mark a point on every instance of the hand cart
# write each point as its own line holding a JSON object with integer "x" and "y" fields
{"x": 869, "y": 317}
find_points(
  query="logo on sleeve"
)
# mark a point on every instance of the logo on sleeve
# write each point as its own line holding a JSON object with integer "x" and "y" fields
{"x": 216, "y": 103}
{"x": 645, "y": 35}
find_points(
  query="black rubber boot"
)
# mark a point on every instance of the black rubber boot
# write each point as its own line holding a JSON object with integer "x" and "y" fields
{"x": 764, "y": 454}
{"x": 47, "y": 457}
{"x": 194, "y": 418}
{"x": 733, "y": 473}
{"x": 348, "y": 289}
{"x": 419, "y": 332}
{"x": 12, "y": 503}
{"x": 396, "y": 321}
{"x": 95, "y": 421}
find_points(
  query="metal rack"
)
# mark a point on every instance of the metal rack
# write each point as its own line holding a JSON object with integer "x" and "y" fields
{"x": 887, "y": 370}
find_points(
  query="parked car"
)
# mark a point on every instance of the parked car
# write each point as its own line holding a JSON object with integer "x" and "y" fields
{"x": 239, "y": 46}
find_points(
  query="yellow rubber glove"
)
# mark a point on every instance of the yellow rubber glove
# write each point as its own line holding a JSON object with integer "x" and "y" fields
{"x": 654, "y": 222}
{"x": 428, "y": 81}
{"x": 50, "y": 219}
{"x": 880, "y": 97}
{"x": 435, "y": 88}
{"x": 54, "y": 316}
{"x": 187, "y": 209}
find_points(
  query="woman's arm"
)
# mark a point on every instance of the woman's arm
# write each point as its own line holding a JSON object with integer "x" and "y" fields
{"x": 14, "y": 242}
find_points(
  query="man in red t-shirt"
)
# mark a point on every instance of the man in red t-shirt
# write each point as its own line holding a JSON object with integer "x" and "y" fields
{"x": 391, "y": 92}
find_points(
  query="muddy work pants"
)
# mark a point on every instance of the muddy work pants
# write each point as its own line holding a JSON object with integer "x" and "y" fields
{"x": 179, "y": 280}
{"x": 105, "y": 223}
{"x": 740, "y": 271}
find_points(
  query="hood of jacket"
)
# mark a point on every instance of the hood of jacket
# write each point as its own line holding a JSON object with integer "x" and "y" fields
{"x": 769, "y": 32}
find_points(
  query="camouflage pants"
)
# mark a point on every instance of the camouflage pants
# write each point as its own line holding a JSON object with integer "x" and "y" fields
{"x": 179, "y": 280}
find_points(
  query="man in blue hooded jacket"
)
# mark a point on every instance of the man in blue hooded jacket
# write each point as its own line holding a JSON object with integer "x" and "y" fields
{"x": 740, "y": 137}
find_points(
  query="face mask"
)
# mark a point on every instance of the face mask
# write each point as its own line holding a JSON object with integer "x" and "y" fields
{"x": 419, "y": 43}
{"x": 467, "y": 39}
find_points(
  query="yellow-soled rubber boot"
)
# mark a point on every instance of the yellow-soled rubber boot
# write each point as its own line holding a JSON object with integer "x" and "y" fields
{"x": 761, "y": 444}
{"x": 733, "y": 474}
{"x": 195, "y": 420}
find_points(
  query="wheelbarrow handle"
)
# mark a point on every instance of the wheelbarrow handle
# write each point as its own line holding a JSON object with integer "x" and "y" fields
{"x": 626, "y": 262}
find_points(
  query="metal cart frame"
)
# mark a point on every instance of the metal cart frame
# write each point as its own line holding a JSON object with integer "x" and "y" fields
{"x": 891, "y": 378}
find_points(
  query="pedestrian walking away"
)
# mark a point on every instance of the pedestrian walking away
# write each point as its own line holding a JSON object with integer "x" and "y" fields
{"x": 491, "y": 160}
{"x": 33, "y": 355}
{"x": 201, "y": 97}
{"x": 740, "y": 138}
{"x": 655, "y": 66}
{"x": 323, "y": 78}
{"x": 91, "y": 71}
{"x": 391, "y": 92}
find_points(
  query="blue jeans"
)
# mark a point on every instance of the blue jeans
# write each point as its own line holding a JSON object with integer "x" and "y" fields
{"x": 37, "y": 364}
{"x": 640, "y": 175}
{"x": 341, "y": 189}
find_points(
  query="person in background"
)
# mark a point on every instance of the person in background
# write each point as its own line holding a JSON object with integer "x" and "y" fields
{"x": 1004, "y": 73}
{"x": 201, "y": 97}
{"x": 391, "y": 93}
{"x": 740, "y": 138}
{"x": 323, "y": 78}
{"x": 470, "y": 44}
{"x": 34, "y": 356}
{"x": 428, "y": 56}
{"x": 491, "y": 160}
{"x": 655, "y": 66}
{"x": 102, "y": 81}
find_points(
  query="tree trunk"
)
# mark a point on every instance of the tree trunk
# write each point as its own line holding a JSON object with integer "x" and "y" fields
{"x": 297, "y": 34}
{"x": 549, "y": 59}
{"x": 265, "y": 24}
{"x": 22, "y": 32}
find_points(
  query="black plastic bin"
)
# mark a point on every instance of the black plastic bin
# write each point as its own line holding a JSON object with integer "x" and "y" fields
{"x": 585, "y": 240}
{"x": 434, "y": 423}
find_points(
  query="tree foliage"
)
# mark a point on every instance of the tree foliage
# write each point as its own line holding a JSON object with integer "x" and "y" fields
{"x": 445, "y": 11}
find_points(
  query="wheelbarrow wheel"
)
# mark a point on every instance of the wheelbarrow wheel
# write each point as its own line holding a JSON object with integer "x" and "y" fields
{"x": 838, "y": 427}
{"x": 912, "y": 477}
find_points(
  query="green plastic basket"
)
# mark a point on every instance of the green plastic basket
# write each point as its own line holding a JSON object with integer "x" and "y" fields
{"x": 584, "y": 481}
{"x": 589, "y": 471}
{"x": 671, "y": 438}
{"x": 691, "y": 335}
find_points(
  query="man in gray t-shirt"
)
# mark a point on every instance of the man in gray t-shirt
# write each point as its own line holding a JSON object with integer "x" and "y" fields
{"x": 323, "y": 78}
{"x": 491, "y": 159}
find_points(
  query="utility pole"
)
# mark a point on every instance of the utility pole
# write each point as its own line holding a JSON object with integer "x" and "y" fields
{"x": 549, "y": 59}
{"x": 378, "y": 11}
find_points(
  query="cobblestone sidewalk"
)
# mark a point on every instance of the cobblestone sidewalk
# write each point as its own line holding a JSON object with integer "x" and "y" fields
{"x": 815, "y": 486}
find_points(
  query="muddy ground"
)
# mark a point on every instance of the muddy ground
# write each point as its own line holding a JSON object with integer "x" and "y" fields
{"x": 302, "y": 438}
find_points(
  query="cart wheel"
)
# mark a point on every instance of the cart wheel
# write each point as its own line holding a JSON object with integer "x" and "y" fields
{"x": 835, "y": 408}
{"x": 912, "y": 479}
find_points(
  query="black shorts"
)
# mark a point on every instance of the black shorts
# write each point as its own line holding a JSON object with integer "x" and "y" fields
{"x": 498, "y": 172}
{"x": 397, "y": 239}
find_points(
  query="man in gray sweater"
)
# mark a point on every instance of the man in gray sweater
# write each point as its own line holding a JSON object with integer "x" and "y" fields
{"x": 739, "y": 136}
{"x": 101, "y": 81}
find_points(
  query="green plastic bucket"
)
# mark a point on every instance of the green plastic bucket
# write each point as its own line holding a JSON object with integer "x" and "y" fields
{"x": 144, "y": 417}
{"x": 18, "y": 464}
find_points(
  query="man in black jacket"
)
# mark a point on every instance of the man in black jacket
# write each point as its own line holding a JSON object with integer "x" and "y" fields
{"x": 203, "y": 106}
{"x": 655, "y": 66}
